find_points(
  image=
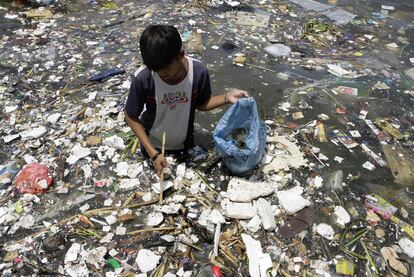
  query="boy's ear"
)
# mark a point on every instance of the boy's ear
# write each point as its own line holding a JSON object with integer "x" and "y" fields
{"x": 182, "y": 54}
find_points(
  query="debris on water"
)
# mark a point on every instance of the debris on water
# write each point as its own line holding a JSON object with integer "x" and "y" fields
{"x": 407, "y": 246}
{"x": 34, "y": 179}
{"x": 286, "y": 155}
{"x": 265, "y": 212}
{"x": 334, "y": 181}
{"x": 238, "y": 210}
{"x": 342, "y": 216}
{"x": 345, "y": 267}
{"x": 325, "y": 231}
{"x": 332, "y": 87}
{"x": 147, "y": 260}
{"x": 106, "y": 74}
{"x": 259, "y": 262}
{"x": 240, "y": 190}
{"x": 346, "y": 90}
{"x": 291, "y": 200}
{"x": 301, "y": 221}
{"x": 278, "y": 50}
{"x": 392, "y": 259}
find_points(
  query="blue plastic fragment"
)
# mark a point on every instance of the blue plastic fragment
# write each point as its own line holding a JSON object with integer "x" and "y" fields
{"x": 106, "y": 74}
{"x": 7, "y": 173}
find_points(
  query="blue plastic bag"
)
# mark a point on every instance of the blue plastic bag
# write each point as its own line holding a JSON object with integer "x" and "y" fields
{"x": 244, "y": 153}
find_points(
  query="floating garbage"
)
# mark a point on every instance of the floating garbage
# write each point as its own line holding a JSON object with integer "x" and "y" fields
{"x": 106, "y": 74}
{"x": 34, "y": 179}
{"x": 327, "y": 191}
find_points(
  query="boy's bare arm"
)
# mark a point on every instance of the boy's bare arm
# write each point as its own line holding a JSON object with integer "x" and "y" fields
{"x": 217, "y": 101}
{"x": 139, "y": 131}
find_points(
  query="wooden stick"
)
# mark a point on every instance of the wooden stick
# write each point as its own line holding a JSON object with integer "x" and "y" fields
{"x": 162, "y": 172}
{"x": 157, "y": 229}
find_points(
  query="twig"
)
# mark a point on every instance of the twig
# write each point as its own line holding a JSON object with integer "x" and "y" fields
{"x": 221, "y": 38}
{"x": 162, "y": 172}
{"x": 192, "y": 246}
{"x": 129, "y": 199}
{"x": 356, "y": 255}
{"x": 227, "y": 255}
{"x": 141, "y": 204}
{"x": 355, "y": 238}
{"x": 213, "y": 261}
{"x": 202, "y": 200}
{"x": 204, "y": 181}
{"x": 260, "y": 67}
{"x": 167, "y": 228}
{"x": 371, "y": 262}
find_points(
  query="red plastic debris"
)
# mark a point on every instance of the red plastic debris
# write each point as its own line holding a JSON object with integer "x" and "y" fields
{"x": 34, "y": 179}
{"x": 340, "y": 110}
{"x": 16, "y": 261}
{"x": 216, "y": 271}
{"x": 99, "y": 184}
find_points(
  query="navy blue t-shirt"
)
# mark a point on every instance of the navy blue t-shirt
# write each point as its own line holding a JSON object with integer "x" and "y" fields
{"x": 142, "y": 94}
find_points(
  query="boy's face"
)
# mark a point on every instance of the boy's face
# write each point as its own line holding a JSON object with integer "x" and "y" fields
{"x": 174, "y": 71}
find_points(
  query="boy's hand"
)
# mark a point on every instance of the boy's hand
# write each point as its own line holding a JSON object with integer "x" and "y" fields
{"x": 235, "y": 94}
{"x": 160, "y": 163}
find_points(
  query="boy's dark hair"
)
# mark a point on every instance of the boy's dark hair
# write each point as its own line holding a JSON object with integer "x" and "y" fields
{"x": 159, "y": 45}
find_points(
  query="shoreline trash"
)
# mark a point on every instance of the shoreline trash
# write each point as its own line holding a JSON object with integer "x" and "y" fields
{"x": 33, "y": 179}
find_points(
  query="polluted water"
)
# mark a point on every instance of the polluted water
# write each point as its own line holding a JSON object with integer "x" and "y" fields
{"x": 332, "y": 195}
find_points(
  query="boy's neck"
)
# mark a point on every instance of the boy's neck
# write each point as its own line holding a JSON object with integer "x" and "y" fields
{"x": 184, "y": 70}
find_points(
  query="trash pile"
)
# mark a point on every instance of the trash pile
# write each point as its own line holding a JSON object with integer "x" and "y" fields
{"x": 332, "y": 195}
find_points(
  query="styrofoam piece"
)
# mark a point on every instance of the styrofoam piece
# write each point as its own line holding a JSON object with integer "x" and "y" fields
{"x": 238, "y": 210}
{"x": 240, "y": 190}
{"x": 147, "y": 260}
{"x": 265, "y": 212}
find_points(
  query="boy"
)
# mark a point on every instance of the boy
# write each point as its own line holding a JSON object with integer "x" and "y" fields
{"x": 171, "y": 86}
